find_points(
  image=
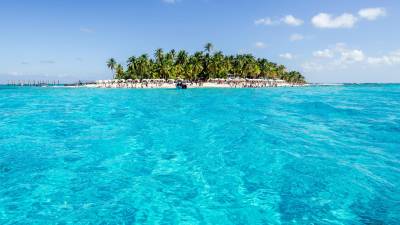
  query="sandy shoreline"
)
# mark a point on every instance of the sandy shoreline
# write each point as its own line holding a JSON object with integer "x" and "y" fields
{"x": 171, "y": 84}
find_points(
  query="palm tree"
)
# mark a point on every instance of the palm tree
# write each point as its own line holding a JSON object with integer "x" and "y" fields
{"x": 173, "y": 53}
{"x": 207, "y": 71}
{"x": 159, "y": 66}
{"x": 181, "y": 62}
{"x": 168, "y": 66}
{"x": 196, "y": 67}
{"x": 111, "y": 64}
{"x": 208, "y": 47}
{"x": 143, "y": 66}
{"x": 119, "y": 71}
{"x": 131, "y": 68}
{"x": 218, "y": 66}
{"x": 237, "y": 65}
{"x": 272, "y": 70}
{"x": 264, "y": 68}
{"x": 281, "y": 70}
{"x": 250, "y": 68}
{"x": 295, "y": 77}
{"x": 182, "y": 57}
{"x": 159, "y": 54}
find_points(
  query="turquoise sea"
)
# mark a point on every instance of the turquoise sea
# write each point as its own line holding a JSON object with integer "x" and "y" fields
{"x": 308, "y": 155}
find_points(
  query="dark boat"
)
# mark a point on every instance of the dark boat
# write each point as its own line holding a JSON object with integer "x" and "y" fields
{"x": 181, "y": 85}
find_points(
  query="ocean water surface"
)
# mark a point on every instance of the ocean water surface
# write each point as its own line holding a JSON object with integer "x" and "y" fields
{"x": 310, "y": 155}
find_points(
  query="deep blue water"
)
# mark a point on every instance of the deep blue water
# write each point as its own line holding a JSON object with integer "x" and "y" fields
{"x": 312, "y": 155}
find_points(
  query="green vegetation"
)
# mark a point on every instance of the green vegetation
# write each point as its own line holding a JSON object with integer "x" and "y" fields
{"x": 202, "y": 65}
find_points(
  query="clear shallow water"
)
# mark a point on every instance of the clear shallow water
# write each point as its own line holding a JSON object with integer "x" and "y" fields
{"x": 315, "y": 155}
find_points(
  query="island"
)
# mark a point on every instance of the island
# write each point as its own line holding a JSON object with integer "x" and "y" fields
{"x": 202, "y": 69}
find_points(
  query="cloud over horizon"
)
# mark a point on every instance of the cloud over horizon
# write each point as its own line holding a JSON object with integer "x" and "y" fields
{"x": 346, "y": 20}
{"x": 341, "y": 56}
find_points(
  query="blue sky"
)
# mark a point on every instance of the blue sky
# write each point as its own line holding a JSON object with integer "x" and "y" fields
{"x": 328, "y": 41}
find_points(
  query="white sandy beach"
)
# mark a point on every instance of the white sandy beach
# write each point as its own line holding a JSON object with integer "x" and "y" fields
{"x": 212, "y": 83}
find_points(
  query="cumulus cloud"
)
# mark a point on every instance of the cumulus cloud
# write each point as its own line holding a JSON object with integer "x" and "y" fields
{"x": 326, "y": 53}
{"x": 324, "y": 20}
{"x": 389, "y": 59}
{"x": 292, "y": 21}
{"x": 346, "y": 20}
{"x": 260, "y": 44}
{"x": 347, "y": 55}
{"x": 286, "y": 56}
{"x": 352, "y": 55}
{"x": 372, "y": 13}
{"x": 296, "y": 37}
{"x": 288, "y": 19}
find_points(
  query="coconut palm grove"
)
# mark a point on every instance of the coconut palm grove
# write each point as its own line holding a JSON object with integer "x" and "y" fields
{"x": 201, "y": 66}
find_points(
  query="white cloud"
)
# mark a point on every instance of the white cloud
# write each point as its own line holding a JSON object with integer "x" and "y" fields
{"x": 286, "y": 56}
{"x": 260, "y": 44}
{"x": 352, "y": 55}
{"x": 348, "y": 56}
{"x": 340, "y": 56}
{"x": 389, "y": 59}
{"x": 336, "y": 57}
{"x": 324, "y": 20}
{"x": 289, "y": 20}
{"x": 346, "y": 20}
{"x": 372, "y": 13}
{"x": 296, "y": 37}
{"x": 326, "y": 53}
{"x": 292, "y": 21}
{"x": 264, "y": 21}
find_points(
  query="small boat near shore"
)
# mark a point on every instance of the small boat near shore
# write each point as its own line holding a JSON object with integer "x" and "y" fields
{"x": 181, "y": 85}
